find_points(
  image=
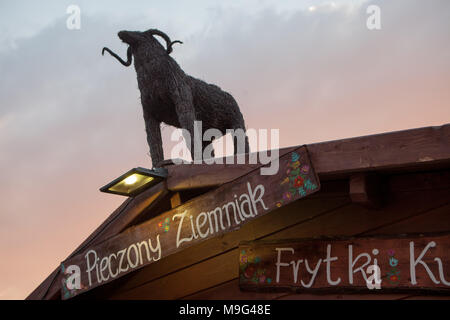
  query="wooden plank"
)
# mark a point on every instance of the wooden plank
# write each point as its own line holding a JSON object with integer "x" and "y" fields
{"x": 409, "y": 263}
{"x": 117, "y": 221}
{"x": 199, "y": 276}
{"x": 436, "y": 220}
{"x": 419, "y": 181}
{"x": 207, "y": 216}
{"x": 353, "y": 220}
{"x": 415, "y": 148}
{"x": 349, "y": 220}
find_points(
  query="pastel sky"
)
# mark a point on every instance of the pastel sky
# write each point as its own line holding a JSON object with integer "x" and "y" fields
{"x": 71, "y": 120}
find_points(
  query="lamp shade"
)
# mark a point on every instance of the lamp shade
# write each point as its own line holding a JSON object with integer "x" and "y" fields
{"x": 135, "y": 181}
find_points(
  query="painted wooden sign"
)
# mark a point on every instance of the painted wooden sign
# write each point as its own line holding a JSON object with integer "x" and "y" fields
{"x": 222, "y": 210}
{"x": 413, "y": 263}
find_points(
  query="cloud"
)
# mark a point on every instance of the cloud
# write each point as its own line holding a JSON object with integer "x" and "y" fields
{"x": 323, "y": 74}
{"x": 71, "y": 120}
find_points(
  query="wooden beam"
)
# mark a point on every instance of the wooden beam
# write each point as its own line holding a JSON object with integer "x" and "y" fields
{"x": 415, "y": 148}
{"x": 193, "y": 176}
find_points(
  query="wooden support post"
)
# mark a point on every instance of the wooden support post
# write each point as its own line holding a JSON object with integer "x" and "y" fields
{"x": 175, "y": 200}
{"x": 365, "y": 190}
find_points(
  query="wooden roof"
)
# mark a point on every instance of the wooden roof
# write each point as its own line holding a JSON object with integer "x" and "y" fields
{"x": 408, "y": 150}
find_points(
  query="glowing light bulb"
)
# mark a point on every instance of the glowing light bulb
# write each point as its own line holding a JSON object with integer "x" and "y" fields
{"x": 131, "y": 179}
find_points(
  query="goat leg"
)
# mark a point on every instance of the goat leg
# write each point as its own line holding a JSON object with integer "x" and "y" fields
{"x": 154, "y": 140}
{"x": 240, "y": 125}
{"x": 182, "y": 98}
{"x": 207, "y": 148}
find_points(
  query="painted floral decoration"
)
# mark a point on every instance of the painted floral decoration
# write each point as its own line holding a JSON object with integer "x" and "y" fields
{"x": 251, "y": 269}
{"x": 393, "y": 262}
{"x": 243, "y": 257}
{"x": 287, "y": 196}
{"x": 297, "y": 181}
{"x": 165, "y": 224}
{"x": 393, "y": 274}
{"x": 305, "y": 169}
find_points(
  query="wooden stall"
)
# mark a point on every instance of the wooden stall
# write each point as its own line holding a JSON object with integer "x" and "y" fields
{"x": 383, "y": 198}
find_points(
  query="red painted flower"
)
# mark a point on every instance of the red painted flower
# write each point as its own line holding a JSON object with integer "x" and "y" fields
{"x": 394, "y": 278}
{"x": 298, "y": 182}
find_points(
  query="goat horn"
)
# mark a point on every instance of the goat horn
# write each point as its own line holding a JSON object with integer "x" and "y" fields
{"x": 176, "y": 41}
{"x": 129, "y": 56}
{"x": 169, "y": 43}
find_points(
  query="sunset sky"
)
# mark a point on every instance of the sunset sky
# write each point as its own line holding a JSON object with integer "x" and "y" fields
{"x": 71, "y": 120}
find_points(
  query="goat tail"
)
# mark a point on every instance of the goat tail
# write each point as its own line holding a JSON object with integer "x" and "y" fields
{"x": 129, "y": 56}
